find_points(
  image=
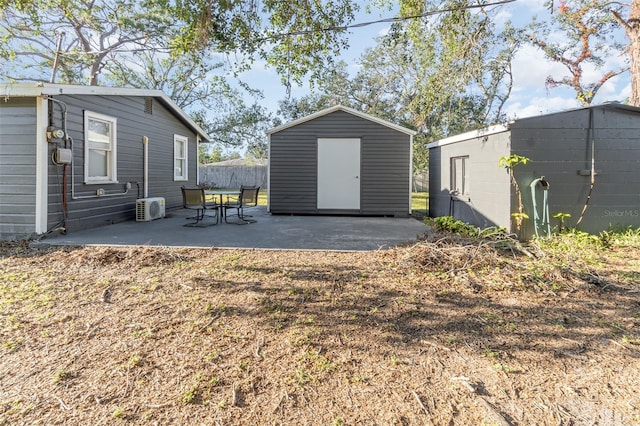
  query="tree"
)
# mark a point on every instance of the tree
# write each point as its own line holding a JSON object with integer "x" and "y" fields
{"x": 200, "y": 88}
{"x": 77, "y": 38}
{"x": 297, "y": 37}
{"x": 588, "y": 28}
{"x": 441, "y": 74}
{"x": 631, "y": 26}
{"x": 160, "y": 44}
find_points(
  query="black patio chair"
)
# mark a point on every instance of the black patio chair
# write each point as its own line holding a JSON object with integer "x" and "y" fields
{"x": 194, "y": 199}
{"x": 247, "y": 198}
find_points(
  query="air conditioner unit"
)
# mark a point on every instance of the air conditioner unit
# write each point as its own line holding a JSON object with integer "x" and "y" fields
{"x": 149, "y": 209}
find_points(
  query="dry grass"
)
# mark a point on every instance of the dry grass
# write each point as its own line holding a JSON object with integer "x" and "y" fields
{"x": 451, "y": 330}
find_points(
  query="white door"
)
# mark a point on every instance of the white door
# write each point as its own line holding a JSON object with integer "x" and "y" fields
{"x": 339, "y": 174}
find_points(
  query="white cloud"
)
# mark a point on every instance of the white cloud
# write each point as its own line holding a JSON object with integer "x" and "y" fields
{"x": 540, "y": 105}
{"x": 531, "y": 69}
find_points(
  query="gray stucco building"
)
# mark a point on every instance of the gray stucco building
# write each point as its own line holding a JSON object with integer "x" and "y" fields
{"x": 74, "y": 157}
{"x": 467, "y": 183}
{"x": 340, "y": 161}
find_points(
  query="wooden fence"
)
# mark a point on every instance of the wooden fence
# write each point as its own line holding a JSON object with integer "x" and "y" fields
{"x": 233, "y": 176}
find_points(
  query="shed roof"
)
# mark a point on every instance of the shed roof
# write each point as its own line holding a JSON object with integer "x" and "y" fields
{"x": 505, "y": 127}
{"x": 8, "y": 90}
{"x": 344, "y": 109}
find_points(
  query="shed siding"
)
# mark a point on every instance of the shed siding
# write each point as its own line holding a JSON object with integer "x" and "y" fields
{"x": 488, "y": 201}
{"x": 559, "y": 146}
{"x": 17, "y": 168}
{"x": 132, "y": 124}
{"x": 385, "y": 165}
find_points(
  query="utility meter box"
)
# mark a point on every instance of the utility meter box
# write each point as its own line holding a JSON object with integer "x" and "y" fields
{"x": 62, "y": 156}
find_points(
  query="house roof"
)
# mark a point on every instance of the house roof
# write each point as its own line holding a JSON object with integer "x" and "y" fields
{"x": 240, "y": 162}
{"x": 8, "y": 90}
{"x": 344, "y": 109}
{"x": 505, "y": 127}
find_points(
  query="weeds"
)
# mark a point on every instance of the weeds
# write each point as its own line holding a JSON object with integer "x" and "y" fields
{"x": 118, "y": 413}
{"x": 60, "y": 376}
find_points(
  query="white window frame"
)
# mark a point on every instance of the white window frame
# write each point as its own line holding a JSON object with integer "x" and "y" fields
{"x": 461, "y": 162}
{"x": 109, "y": 147}
{"x": 177, "y": 141}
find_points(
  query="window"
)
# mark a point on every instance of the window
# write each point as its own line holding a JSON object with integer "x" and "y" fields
{"x": 180, "y": 153}
{"x": 459, "y": 181}
{"x": 99, "y": 148}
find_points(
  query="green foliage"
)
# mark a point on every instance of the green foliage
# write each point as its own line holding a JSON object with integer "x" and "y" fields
{"x": 455, "y": 226}
{"x": 118, "y": 413}
{"x": 91, "y": 35}
{"x": 519, "y": 217}
{"x": 419, "y": 204}
{"x": 512, "y": 160}
{"x": 440, "y": 75}
{"x": 561, "y": 217}
{"x": 60, "y": 376}
{"x": 291, "y": 36}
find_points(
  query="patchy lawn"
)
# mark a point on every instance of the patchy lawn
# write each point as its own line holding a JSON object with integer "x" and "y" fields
{"x": 448, "y": 331}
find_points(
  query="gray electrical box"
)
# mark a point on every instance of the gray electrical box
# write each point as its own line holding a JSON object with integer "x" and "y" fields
{"x": 62, "y": 156}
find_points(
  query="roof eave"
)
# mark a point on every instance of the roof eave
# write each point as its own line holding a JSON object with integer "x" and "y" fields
{"x": 48, "y": 89}
{"x": 348, "y": 110}
{"x": 487, "y": 131}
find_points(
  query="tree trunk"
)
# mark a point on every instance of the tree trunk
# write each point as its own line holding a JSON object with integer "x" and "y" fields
{"x": 632, "y": 28}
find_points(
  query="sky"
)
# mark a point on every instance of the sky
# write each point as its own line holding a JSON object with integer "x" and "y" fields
{"x": 530, "y": 68}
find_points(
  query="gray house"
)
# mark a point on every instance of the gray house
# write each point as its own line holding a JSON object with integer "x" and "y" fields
{"x": 340, "y": 161}
{"x": 588, "y": 156}
{"x": 74, "y": 157}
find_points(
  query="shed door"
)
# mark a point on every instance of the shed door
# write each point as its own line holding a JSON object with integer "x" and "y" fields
{"x": 339, "y": 174}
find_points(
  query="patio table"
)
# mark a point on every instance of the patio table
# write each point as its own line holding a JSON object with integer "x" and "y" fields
{"x": 221, "y": 193}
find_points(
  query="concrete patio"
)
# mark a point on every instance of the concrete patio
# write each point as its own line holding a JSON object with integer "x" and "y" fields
{"x": 341, "y": 233}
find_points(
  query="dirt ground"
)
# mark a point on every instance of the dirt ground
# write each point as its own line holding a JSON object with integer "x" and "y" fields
{"x": 442, "y": 332}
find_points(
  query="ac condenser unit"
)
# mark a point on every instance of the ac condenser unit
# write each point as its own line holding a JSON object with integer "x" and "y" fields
{"x": 149, "y": 209}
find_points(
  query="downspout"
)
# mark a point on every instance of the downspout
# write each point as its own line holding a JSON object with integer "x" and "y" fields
{"x": 145, "y": 167}
{"x": 410, "y": 173}
{"x": 593, "y": 167}
{"x": 269, "y": 174}
{"x": 198, "y": 140}
{"x": 42, "y": 164}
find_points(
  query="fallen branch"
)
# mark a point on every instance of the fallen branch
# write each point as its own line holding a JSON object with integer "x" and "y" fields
{"x": 499, "y": 418}
{"x": 234, "y": 395}
{"x": 259, "y": 344}
{"x": 417, "y": 397}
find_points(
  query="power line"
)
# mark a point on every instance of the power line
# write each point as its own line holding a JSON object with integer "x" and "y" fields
{"x": 386, "y": 20}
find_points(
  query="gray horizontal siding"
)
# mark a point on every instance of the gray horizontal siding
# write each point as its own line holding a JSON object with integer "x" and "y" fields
{"x": 132, "y": 124}
{"x": 17, "y": 168}
{"x": 385, "y": 165}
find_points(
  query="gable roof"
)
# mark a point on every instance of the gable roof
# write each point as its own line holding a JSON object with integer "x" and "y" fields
{"x": 344, "y": 109}
{"x": 8, "y": 90}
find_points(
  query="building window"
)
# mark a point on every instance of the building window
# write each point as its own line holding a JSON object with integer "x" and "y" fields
{"x": 99, "y": 148}
{"x": 180, "y": 154}
{"x": 459, "y": 181}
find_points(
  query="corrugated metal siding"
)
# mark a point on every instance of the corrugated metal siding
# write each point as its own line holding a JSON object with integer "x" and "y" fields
{"x": 385, "y": 165}
{"x": 488, "y": 200}
{"x": 559, "y": 146}
{"x": 133, "y": 123}
{"x": 17, "y": 168}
